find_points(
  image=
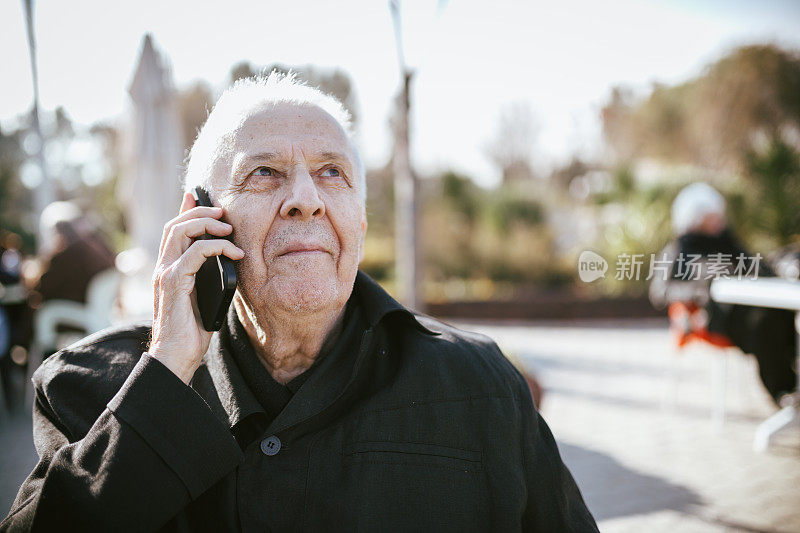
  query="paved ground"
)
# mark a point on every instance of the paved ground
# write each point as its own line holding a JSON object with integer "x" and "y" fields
{"x": 633, "y": 422}
{"x": 18, "y": 456}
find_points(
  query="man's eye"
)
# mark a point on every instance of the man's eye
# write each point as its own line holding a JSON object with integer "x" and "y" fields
{"x": 263, "y": 171}
{"x": 331, "y": 173}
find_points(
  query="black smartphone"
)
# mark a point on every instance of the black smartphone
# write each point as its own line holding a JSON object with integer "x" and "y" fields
{"x": 215, "y": 282}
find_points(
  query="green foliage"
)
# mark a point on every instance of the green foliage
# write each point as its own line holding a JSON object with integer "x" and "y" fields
{"x": 622, "y": 189}
{"x": 624, "y": 181}
{"x": 16, "y": 200}
{"x": 641, "y": 226}
{"x": 509, "y": 210}
{"x": 461, "y": 193}
{"x": 473, "y": 234}
{"x": 775, "y": 173}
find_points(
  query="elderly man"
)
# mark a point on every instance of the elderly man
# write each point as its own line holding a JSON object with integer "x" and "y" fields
{"x": 322, "y": 404}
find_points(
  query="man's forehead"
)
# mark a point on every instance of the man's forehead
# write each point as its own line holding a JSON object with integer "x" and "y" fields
{"x": 280, "y": 133}
{"x": 281, "y": 124}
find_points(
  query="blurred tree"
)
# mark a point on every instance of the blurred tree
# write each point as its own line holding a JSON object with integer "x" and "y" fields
{"x": 379, "y": 247}
{"x": 380, "y": 200}
{"x": 461, "y": 193}
{"x": 194, "y": 104}
{"x": 740, "y": 117}
{"x": 506, "y": 210}
{"x": 473, "y": 234}
{"x": 749, "y": 97}
{"x": 624, "y": 180}
{"x": 240, "y": 70}
{"x": 16, "y": 200}
{"x": 332, "y": 81}
{"x": 450, "y": 204}
{"x": 511, "y": 148}
{"x": 777, "y": 170}
{"x": 562, "y": 176}
{"x": 83, "y": 163}
{"x": 101, "y": 199}
{"x": 617, "y": 117}
{"x": 633, "y": 220}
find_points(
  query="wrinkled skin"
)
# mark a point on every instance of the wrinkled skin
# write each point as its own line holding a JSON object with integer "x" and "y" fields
{"x": 298, "y": 197}
{"x": 287, "y": 183}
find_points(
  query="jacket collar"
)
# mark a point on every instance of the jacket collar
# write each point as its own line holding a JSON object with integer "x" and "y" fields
{"x": 225, "y": 381}
{"x": 378, "y": 305}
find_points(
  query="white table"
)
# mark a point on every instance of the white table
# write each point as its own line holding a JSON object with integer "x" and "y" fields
{"x": 766, "y": 292}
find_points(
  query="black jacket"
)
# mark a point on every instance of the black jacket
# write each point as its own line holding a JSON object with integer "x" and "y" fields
{"x": 424, "y": 427}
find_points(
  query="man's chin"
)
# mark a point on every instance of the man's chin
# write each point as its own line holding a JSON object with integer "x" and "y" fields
{"x": 304, "y": 294}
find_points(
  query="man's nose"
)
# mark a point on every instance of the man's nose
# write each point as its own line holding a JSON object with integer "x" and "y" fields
{"x": 303, "y": 201}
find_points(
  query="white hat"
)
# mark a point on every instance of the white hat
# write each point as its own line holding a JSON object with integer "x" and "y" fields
{"x": 693, "y": 204}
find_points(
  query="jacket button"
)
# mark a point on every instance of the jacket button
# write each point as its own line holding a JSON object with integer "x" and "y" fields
{"x": 383, "y": 352}
{"x": 271, "y": 445}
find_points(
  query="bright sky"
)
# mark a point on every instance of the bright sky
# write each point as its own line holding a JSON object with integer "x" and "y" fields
{"x": 473, "y": 59}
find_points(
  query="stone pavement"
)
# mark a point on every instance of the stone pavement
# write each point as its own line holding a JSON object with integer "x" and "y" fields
{"x": 18, "y": 456}
{"x": 633, "y": 423}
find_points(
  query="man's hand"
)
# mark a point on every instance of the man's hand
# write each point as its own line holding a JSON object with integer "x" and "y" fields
{"x": 179, "y": 339}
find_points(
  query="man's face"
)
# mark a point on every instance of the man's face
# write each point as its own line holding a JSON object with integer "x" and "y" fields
{"x": 292, "y": 195}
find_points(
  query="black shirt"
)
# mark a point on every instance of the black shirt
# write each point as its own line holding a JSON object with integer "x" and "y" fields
{"x": 272, "y": 396}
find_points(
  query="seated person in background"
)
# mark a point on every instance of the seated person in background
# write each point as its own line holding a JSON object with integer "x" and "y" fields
{"x": 71, "y": 254}
{"x": 705, "y": 248}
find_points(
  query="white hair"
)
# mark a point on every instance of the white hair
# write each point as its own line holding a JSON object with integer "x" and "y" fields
{"x": 239, "y": 101}
{"x": 693, "y": 204}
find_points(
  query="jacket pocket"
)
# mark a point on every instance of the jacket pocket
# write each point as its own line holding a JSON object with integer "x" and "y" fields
{"x": 413, "y": 453}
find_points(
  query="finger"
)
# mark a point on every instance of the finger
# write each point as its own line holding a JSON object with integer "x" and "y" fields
{"x": 181, "y": 235}
{"x": 199, "y": 251}
{"x": 188, "y": 202}
{"x": 194, "y": 212}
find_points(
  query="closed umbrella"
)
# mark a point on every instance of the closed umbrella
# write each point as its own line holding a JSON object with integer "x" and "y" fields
{"x": 150, "y": 191}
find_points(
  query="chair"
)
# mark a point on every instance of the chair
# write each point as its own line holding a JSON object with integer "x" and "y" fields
{"x": 90, "y": 317}
{"x": 688, "y": 323}
{"x": 94, "y": 315}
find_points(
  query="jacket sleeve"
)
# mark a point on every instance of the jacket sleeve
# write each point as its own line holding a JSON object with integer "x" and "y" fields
{"x": 155, "y": 447}
{"x": 554, "y": 500}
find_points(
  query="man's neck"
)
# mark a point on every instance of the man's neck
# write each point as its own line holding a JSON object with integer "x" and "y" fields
{"x": 286, "y": 344}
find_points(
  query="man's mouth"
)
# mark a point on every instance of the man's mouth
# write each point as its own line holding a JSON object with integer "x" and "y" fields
{"x": 300, "y": 250}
